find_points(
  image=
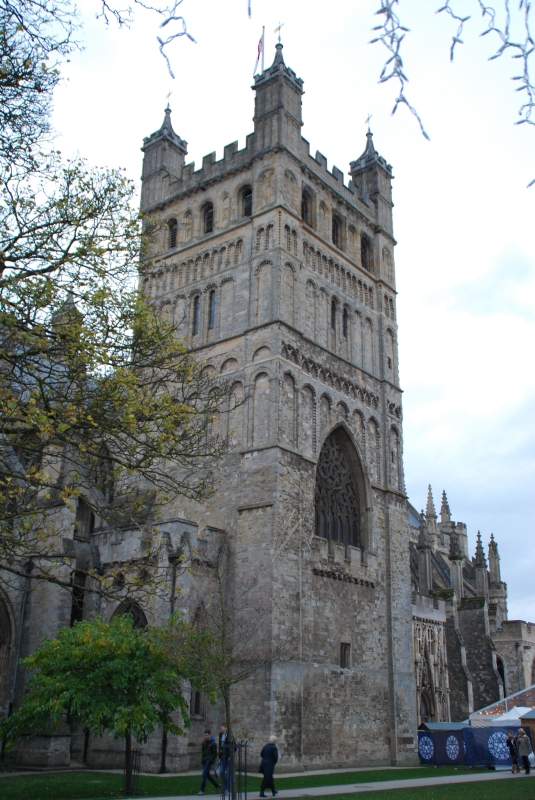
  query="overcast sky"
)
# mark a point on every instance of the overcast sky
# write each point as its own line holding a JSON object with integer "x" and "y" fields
{"x": 463, "y": 216}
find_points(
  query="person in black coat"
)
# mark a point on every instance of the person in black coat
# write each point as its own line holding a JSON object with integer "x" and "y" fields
{"x": 513, "y": 750}
{"x": 208, "y": 756}
{"x": 269, "y": 756}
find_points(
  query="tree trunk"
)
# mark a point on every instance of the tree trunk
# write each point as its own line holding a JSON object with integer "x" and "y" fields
{"x": 230, "y": 739}
{"x": 128, "y": 787}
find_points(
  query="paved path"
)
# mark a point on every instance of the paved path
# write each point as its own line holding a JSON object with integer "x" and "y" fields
{"x": 356, "y": 788}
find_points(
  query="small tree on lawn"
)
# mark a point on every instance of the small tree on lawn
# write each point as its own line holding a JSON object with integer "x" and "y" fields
{"x": 112, "y": 678}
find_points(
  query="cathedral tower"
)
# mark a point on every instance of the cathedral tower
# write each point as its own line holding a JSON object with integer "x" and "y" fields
{"x": 281, "y": 277}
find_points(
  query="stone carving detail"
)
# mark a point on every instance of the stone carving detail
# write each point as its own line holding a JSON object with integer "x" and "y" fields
{"x": 431, "y": 671}
{"x": 328, "y": 376}
{"x": 337, "y": 501}
{"x": 340, "y": 574}
{"x": 338, "y": 275}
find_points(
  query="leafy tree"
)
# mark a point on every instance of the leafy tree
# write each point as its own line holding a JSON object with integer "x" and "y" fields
{"x": 99, "y": 400}
{"x": 111, "y": 678}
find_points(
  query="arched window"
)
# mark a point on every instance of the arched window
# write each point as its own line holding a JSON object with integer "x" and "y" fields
{"x": 211, "y": 310}
{"x": 344, "y": 323}
{"x": 333, "y": 314}
{"x": 247, "y": 202}
{"x": 306, "y": 207}
{"x": 366, "y": 252}
{"x": 336, "y": 232}
{"x": 209, "y": 218}
{"x": 337, "y": 503}
{"x": 173, "y": 229}
{"x": 137, "y": 614}
{"x": 196, "y": 704}
{"x": 196, "y": 314}
{"x": 501, "y": 672}
{"x": 84, "y": 521}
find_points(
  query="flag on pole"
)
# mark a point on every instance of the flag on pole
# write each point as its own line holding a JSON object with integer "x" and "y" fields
{"x": 260, "y": 53}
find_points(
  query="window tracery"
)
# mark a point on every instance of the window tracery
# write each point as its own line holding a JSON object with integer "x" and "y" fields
{"x": 336, "y": 499}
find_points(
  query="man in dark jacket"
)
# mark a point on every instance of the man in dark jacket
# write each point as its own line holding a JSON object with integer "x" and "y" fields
{"x": 269, "y": 756}
{"x": 208, "y": 756}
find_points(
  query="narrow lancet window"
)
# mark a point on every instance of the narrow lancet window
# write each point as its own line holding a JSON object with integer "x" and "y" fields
{"x": 248, "y": 203}
{"x": 173, "y": 227}
{"x": 209, "y": 218}
{"x": 336, "y": 232}
{"x": 211, "y": 310}
{"x": 196, "y": 314}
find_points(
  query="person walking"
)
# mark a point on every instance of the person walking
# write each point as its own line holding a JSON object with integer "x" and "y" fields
{"x": 208, "y": 756}
{"x": 523, "y": 744}
{"x": 269, "y": 756}
{"x": 513, "y": 750}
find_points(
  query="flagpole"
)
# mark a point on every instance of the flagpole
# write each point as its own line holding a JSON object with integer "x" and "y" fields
{"x": 263, "y": 44}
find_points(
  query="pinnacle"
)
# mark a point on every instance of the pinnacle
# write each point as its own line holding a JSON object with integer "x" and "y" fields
{"x": 480, "y": 560}
{"x": 370, "y": 149}
{"x": 167, "y": 124}
{"x": 279, "y": 58}
{"x": 430, "y": 509}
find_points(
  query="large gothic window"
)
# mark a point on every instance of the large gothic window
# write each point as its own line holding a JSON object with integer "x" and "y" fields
{"x": 337, "y": 497}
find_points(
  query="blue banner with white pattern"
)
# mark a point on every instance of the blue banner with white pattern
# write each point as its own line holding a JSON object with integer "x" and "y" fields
{"x": 475, "y": 747}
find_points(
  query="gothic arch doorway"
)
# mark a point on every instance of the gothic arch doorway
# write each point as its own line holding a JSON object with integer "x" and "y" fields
{"x": 426, "y": 714}
{"x": 339, "y": 493}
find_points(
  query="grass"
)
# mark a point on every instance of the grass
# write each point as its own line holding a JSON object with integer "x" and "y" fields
{"x": 524, "y": 789}
{"x": 88, "y": 785}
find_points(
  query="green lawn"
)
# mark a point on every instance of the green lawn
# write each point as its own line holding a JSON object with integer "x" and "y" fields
{"x": 99, "y": 785}
{"x": 523, "y": 789}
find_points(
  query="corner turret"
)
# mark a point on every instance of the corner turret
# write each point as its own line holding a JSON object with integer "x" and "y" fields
{"x": 497, "y": 588}
{"x": 278, "y": 118}
{"x": 164, "y": 153}
{"x": 372, "y": 176}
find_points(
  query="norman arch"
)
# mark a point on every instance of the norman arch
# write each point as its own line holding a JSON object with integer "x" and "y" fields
{"x": 340, "y": 498}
